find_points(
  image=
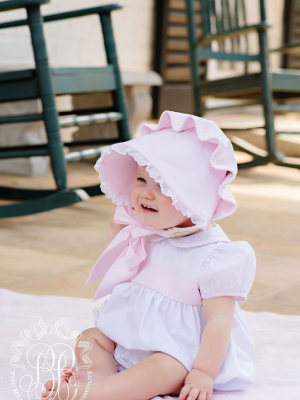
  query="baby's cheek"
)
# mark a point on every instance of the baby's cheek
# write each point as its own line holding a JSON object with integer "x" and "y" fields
{"x": 133, "y": 197}
{"x": 166, "y": 203}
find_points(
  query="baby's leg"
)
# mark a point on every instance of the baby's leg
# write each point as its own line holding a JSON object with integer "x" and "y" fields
{"x": 101, "y": 353}
{"x": 157, "y": 374}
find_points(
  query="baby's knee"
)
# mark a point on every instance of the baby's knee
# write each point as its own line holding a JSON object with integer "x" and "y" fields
{"x": 94, "y": 336}
{"x": 172, "y": 371}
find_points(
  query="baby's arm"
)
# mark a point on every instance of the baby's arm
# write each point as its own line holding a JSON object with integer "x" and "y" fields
{"x": 218, "y": 314}
{"x": 114, "y": 229}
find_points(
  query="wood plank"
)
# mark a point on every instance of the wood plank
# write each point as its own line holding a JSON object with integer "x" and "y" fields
{"x": 71, "y": 71}
{"x": 16, "y": 75}
{"x": 177, "y": 58}
{"x": 286, "y": 81}
{"x": 231, "y": 87}
{"x": 19, "y": 90}
{"x": 232, "y": 33}
{"x": 291, "y": 31}
{"x": 179, "y": 74}
{"x": 233, "y": 93}
{"x": 102, "y": 80}
{"x": 206, "y": 53}
{"x": 295, "y": 64}
{"x": 297, "y": 18}
{"x": 253, "y": 78}
{"x": 64, "y": 80}
{"x": 176, "y": 97}
{"x": 14, "y": 4}
{"x": 175, "y": 17}
{"x": 177, "y": 31}
{"x": 176, "y": 44}
{"x": 180, "y": 5}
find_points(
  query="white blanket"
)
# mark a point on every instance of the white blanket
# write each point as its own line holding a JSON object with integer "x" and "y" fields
{"x": 35, "y": 327}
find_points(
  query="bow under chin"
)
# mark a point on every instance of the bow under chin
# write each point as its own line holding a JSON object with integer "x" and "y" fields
{"x": 121, "y": 259}
{"x": 124, "y": 268}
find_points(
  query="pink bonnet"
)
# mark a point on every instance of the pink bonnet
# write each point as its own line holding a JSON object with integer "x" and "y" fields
{"x": 191, "y": 159}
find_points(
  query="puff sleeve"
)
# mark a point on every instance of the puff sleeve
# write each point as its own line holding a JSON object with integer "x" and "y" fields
{"x": 228, "y": 271}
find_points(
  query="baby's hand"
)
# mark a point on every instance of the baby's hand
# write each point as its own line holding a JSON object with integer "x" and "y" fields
{"x": 197, "y": 386}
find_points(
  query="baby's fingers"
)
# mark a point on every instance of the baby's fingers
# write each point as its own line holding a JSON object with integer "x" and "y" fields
{"x": 194, "y": 393}
{"x": 205, "y": 395}
{"x": 184, "y": 392}
{"x": 188, "y": 393}
{"x": 209, "y": 395}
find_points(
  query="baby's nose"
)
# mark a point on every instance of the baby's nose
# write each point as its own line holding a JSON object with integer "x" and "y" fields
{"x": 148, "y": 194}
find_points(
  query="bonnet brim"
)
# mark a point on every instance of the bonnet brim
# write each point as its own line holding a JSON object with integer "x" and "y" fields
{"x": 221, "y": 159}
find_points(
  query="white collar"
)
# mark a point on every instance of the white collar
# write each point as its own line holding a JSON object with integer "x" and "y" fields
{"x": 211, "y": 235}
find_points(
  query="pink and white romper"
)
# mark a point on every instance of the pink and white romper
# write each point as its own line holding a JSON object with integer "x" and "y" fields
{"x": 159, "y": 307}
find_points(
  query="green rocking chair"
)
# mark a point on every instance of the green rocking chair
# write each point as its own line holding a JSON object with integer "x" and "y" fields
{"x": 224, "y": 23}
{"x": 46, "y": 83}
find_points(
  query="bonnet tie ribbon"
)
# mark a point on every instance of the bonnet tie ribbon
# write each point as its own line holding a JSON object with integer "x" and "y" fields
{"x": 121, "y": 259}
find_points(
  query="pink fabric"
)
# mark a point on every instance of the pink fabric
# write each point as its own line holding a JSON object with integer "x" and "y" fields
{"x": 169, "y": 284}
{"x": 191, "y": 159}
{"x": 121, "y": 260}
{"x": 238, "y": 296}
{"x": 276, "y": 337}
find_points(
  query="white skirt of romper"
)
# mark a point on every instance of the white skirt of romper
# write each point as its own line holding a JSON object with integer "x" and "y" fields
{"x": 141, "y": 321}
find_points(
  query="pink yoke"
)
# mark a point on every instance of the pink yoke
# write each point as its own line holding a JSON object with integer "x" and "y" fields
{"x": 167, "y": 283}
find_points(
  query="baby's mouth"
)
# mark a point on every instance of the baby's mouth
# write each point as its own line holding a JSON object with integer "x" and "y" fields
{"x": 148, "y": 209}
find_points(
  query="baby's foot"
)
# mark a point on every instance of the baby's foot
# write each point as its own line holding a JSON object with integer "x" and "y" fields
{"x": 58, "y": 391}
{"x": 67, "y": 373}
{"x": 72, "y": 375}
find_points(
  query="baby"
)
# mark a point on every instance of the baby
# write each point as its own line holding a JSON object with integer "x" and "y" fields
{"x": 172, "y": 324}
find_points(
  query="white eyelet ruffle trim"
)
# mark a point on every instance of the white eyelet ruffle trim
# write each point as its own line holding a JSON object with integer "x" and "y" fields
{"x": 142, "y": 161}
{"x": 221, "y": 159}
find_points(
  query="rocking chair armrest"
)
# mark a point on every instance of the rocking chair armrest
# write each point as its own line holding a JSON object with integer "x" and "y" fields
{"x": 232, "y": 33}
{"x": 14, "y": 4}
{"x": 59, "y": 16}
{"x": 82, "y": 13}
{"x": 288, "y": 48}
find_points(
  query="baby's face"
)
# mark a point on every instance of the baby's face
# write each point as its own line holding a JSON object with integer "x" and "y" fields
{"x": 147, "y": 192}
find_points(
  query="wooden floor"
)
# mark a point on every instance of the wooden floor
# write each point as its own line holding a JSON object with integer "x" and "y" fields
{"x": 54, "y": 252}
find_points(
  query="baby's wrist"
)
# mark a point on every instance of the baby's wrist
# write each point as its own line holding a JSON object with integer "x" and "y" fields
{"x": 203, "y": 372}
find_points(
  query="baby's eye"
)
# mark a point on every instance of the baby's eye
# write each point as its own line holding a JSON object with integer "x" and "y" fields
{"x": 139, "y": 178}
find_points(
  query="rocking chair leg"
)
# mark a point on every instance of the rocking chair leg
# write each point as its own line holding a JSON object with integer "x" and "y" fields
{"x": 55, "y": 146}
{"x": 195, "y": 77}
{"x": 112, "y": 58}
{"x": 267, "y": 96}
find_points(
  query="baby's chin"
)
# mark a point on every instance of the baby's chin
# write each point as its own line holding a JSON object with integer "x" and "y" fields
{"x": 158, "y": 227}
{"x": 162, "y": 227}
